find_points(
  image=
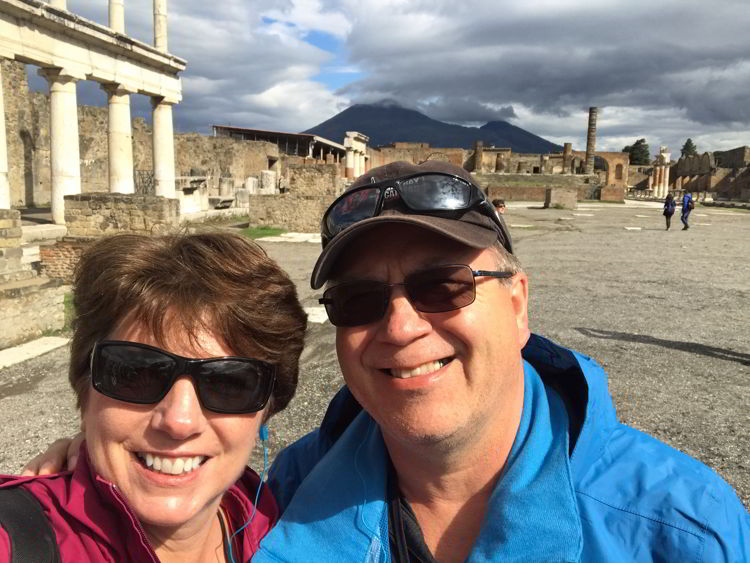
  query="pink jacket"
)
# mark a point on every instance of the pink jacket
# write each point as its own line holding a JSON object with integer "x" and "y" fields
{"x": 92, "y": 521}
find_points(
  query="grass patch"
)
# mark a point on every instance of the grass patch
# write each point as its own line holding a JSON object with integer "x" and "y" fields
{"x": 69, "y": 310}
{"x": 258, "y": 232}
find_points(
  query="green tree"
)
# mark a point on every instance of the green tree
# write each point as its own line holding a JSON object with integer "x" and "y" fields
{"x": 689, "y": 148}
{"x": 639, "y": 152}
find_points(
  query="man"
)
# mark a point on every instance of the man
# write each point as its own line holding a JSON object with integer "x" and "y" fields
{"x": 499, "y": 205}
{"x": 459, "y": 434}
{"x": 687, "y": 207}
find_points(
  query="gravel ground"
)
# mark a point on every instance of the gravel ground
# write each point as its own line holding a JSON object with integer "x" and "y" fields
{"x": 665, "y": 313}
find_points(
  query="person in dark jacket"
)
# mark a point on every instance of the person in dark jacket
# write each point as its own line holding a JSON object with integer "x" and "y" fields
{"x": 687, "y": 207}
{"x": 183, "y": 346}
{"x": 669, "y": 207}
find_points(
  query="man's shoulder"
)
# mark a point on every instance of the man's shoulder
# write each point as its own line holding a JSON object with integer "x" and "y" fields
{"x": 644, "y": 492}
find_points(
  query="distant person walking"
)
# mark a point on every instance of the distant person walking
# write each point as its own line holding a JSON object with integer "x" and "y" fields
{"x": 687, "y": 206}
{"x": 669, "y": 207}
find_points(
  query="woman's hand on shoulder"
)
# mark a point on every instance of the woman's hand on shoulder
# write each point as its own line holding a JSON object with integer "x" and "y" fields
{"x": 61, "y": 454}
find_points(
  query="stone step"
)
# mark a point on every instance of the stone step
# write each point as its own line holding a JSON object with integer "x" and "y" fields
{"x": 44, "y": 232}
{"x": 19, "y": 275}
{"x": 18, "y": 288}
{"x": 30, "y": 253}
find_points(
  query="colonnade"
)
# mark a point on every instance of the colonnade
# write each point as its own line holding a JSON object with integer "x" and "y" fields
{"x": 356, "y": 162}
{"x": 658, "y": 181}
{"x": 64, "y": 142}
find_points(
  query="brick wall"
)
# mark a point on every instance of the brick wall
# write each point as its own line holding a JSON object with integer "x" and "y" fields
{"x": 97, "y": 214}
{"x": 59, "y": 259}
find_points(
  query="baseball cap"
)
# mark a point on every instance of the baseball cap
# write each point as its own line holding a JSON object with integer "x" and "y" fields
{"x": 471, "y": 227}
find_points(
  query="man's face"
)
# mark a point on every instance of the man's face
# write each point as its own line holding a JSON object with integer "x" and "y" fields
{"x": 433, "y": 377}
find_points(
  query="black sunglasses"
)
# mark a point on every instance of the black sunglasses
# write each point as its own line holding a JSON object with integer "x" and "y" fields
{"x": 432, "y": 193}
{"x": 138, "y": 373}
{"x": 433, "y": 290}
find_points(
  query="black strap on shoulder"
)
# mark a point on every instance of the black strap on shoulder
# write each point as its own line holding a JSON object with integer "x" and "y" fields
{"x": 32, "y": 539}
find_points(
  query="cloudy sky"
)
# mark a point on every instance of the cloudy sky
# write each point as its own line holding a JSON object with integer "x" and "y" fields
{"x": 663, "y": 70}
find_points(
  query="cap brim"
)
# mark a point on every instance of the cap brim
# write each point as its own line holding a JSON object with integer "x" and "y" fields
{"x": 473, "y": 236}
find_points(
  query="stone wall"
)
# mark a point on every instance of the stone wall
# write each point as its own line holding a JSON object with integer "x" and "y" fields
{"x": 612, "y": 193}
{"x": 97, "y": 214}
{"x": 28, "y": 309}
{"x": 532, "y": 187}
{"x": 416, "y": 153}
{"x": 296, "y": 213}
{"x": 322, "y": 180}
{"x": 733, "y": 158}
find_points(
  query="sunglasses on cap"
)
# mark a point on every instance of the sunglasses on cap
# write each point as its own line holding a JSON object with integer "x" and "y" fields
{"x": 142, "y": 374}
{"x": 429, "y": 193}
{"x": 432, "y": 290}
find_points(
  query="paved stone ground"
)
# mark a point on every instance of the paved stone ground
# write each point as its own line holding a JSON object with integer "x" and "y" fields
{"x": 666, "y": 313}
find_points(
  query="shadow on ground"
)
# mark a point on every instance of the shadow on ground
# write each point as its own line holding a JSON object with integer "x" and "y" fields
{"x": 691, "y": 347}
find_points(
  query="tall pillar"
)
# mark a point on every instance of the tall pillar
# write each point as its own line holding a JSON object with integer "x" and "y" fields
{"x": 160, "y": 25}
{"x": 65, "y": 162}
{"x": 4, "y": 185}
{"x": 478, "y": 155}
{"x": 163, "y": 141}
{"x": 120, "y": 140}
{"x": 361, "y": 162}
{"x": 61, "y": 4}
{"x": 117, "y": 15}
{"x": 591, "y": 141}
{"x": 349, "y": 162}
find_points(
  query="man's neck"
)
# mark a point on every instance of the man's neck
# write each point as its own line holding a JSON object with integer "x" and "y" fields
{"x": 449, "y": 488}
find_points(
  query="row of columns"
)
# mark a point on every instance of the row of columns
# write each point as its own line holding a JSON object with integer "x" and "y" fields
{"x": 658, "y": 181}
{"x": 65, "y": 162}
{"x": 355, "y": 163}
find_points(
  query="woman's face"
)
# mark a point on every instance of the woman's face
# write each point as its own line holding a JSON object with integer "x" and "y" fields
{"x": 121, "y": 436}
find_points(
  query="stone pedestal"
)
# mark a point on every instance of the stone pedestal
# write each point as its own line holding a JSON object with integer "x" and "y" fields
{"x": 566, "y": 198}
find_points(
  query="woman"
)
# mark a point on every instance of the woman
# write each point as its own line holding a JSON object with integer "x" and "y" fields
{"x": 183, "y": 346}
{"x": 669, "y": 207}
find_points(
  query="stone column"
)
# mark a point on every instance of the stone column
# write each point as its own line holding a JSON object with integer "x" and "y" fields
{"x": 361, "y": 162}
{"x": 4, "y": 185}
{"x": 567, "y": 151}
{"x": 163, "y": 141}
{"x": 120, "y": 140}
{"x": 591, "y": 141}
{"x": 65, "y": 162}
{"x": 478, "y": 155}
{"x": 117, "y": 15}
{"x": 349, "y": 162}
{"x": 61, "y": 4}
{"x": 160, "y": 25}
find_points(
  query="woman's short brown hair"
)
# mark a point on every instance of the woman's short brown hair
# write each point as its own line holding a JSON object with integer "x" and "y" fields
{"x": 220, "y": 282}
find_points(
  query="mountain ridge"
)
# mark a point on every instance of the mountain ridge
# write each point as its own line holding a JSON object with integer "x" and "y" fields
{"x": 387, "y": 123}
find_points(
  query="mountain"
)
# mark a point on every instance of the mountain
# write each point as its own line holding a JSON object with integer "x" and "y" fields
{"x": 387, "y": 123}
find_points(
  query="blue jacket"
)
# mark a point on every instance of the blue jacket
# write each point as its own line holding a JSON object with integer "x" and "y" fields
{"x": 686, "y": 199}
{"x": 578, "y": 485}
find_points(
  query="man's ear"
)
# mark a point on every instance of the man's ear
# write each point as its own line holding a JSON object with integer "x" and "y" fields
{"x": 519, "y": 296}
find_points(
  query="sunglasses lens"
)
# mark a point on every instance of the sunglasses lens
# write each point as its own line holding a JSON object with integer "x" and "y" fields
{"x": 431, "y": 193}
{"x": 354, "y": 207}
{"x": 356, "y": 303}
{"x": 235, "y": 386}
{"x": 130, "y": 373}
{"x": 441, "y": 289}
